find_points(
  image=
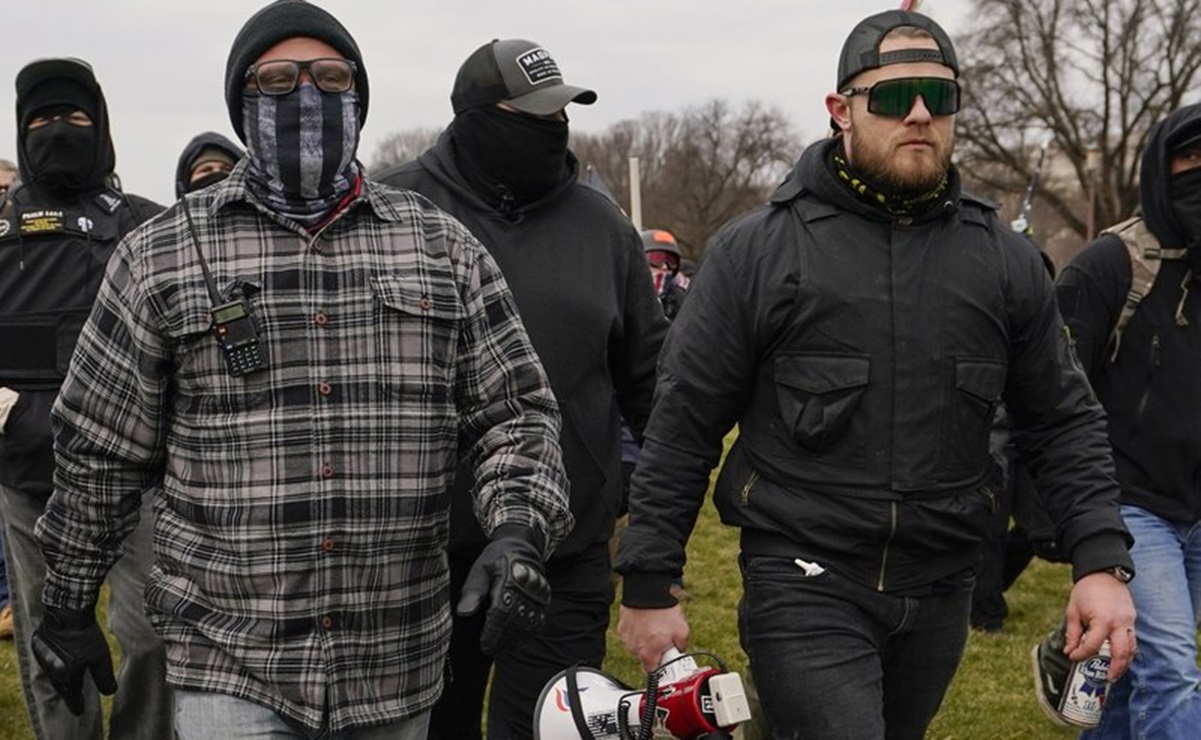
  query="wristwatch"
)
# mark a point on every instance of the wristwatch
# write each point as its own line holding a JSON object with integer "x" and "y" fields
{"x": 1120, "y": 572}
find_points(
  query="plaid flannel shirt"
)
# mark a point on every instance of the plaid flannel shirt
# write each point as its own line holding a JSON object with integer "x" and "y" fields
{"x": 301, "y": 510}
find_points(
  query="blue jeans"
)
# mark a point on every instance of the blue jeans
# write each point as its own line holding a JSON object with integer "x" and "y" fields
{"x": 833, "y": 659}
{"x": 142, "y": 705}
{"x": 1158, "y": 697}
{"x": 201, "y": 715}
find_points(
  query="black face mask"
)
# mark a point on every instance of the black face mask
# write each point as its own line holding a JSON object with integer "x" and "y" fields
{"x": 1185, "y": 189}
{"x": 62, "y": 156}
{"x": 211, "y": 178}
{"x": 503, "y": 152}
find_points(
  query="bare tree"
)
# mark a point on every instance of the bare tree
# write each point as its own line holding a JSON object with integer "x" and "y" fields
{"x": 700, "y": 168}
{"x": 402, "y": 147}
{"x": 1093, "y": 75}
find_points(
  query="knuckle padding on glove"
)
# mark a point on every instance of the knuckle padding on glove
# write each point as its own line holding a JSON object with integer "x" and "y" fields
{"x": 519, "y": 607}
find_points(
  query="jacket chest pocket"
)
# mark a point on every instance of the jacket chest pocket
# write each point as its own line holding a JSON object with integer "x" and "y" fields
{"x": 978, "y": 387}
{"x": 818, "y": 395}
{"x": 416, "y": 331}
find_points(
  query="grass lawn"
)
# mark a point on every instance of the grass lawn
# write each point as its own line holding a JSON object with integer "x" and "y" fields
{"x": 991, "y": 698}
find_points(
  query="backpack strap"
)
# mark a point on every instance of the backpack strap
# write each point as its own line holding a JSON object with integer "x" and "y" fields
{"x": 1145, "y": 254}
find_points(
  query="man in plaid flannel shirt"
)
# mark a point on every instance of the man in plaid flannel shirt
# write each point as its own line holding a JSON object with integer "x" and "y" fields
{"x": 301, "y": 493}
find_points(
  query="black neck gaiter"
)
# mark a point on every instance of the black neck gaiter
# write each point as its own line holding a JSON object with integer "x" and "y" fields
{"x": 301, "y": 148}
{"x": 211, "y": 178}
{"x": 510, "y": 159}
{"x": 1185, "y": 189}
{"x": 62, "y": 156}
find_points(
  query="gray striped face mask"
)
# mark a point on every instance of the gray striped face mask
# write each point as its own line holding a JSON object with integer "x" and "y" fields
{"x": 302, "y": 147}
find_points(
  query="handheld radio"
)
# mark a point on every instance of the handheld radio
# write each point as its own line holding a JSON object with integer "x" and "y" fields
{"x": 234, "y": 325}
{"x": 237, "y": 334}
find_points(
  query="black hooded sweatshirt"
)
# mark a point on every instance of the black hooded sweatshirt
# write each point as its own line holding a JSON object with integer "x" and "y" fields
{"x": 1152, "y": 390}
{"x": 206, "y": 140}
{"x": 54, "y": 246}
{"x": 578, "y": 274}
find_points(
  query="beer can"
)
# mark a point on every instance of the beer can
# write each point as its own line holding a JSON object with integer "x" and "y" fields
{"x": 1084, "y": 697}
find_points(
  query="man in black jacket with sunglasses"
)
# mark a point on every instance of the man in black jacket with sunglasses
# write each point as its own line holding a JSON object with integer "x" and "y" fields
{"x": 861, "y": 329}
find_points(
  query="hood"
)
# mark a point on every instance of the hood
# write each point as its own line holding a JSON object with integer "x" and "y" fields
{"x": 439, "y": 161}
{"x": 68, "y": 81}
{"x": 814, "y": 174}
{"x": 207, "y": 140}
{"x": 1178, "y": 127}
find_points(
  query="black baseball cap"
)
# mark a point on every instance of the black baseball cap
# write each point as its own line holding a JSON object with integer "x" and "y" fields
{"x": 861, "y": 50}
{"x": 65, "y": 81}
{"x": 518, "y": 73}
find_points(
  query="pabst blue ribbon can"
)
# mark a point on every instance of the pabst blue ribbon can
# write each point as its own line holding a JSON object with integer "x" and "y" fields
{"x": 1084, "y": 697}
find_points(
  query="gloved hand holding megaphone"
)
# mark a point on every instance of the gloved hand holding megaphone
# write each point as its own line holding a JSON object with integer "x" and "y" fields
{"x": 512, "y": 574}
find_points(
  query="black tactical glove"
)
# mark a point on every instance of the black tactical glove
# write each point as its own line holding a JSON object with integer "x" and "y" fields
{"x": 511, "y": 571}
{"x": 68, "y": 644}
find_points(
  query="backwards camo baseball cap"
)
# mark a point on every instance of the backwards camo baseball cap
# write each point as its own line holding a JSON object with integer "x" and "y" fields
{"x": 518, "y": 73}
{"x": 861, "y": 50}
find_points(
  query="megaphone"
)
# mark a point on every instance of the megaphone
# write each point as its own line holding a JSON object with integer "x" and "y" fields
{"x": 681, "y": 700}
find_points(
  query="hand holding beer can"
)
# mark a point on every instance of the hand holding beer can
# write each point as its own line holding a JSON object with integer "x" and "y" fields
{"x": 1070, "y": 693}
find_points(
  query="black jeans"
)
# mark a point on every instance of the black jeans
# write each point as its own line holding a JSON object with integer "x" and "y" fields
{"x": 834, "y": 659}
{"x": 576, "y": 621}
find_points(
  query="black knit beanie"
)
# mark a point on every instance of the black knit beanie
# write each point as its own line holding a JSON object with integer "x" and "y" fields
{"x": 285, "y": 19}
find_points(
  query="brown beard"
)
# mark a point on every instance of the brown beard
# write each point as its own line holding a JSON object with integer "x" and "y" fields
{"x": 876, "y": 164}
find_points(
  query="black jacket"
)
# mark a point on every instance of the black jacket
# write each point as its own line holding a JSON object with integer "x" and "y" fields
{"x": 577, "y": 271}
{"x": 53, "y": 252}
{"x": 1152, "y": 390}
{"x": 863, "y": 356}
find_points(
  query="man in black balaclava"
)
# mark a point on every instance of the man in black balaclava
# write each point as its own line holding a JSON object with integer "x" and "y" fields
{"x": 291, "y": 362}
{"x": 206, "y": 160}
{"x": 1146, "y": 370}
{"x": 57, "y": 230}
{"x": 576, "y": 267}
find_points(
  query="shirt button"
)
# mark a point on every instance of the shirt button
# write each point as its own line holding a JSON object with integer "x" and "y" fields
{"x": 327, "y": 622}
{"x": 327, "y": 471}
{"x": 320, "y": 319}
{"x": 327, "y": 544}
{"x": 426, "y": 303}
{"x": 325, "y": 389}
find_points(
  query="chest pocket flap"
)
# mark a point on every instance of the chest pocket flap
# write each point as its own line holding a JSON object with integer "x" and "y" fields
{"x": 818, "y": 395}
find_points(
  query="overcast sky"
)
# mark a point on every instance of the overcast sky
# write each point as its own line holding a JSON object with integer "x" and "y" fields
{"x": 161, "y": 63}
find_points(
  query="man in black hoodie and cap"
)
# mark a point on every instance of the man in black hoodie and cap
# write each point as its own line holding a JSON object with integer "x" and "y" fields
{"x": 1145, "y": 365}
{"x": 207, "y": 160}
{"x": 58, "y": 227}
{"x": 291, "y": 362}
{"x": 861, "y": 329}
{"x": 579, "y": 276}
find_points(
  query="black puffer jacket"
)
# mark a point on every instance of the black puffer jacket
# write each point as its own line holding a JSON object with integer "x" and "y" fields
{"x": 862, "y": 356}
{"x": 578, "y": 273}
{"x": 1152, "y": 390}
